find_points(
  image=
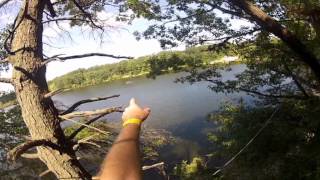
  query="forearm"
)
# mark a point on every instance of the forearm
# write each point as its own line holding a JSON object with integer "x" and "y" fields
{"x": 123, "y": 159}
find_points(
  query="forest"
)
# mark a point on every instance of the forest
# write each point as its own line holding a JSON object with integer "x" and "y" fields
{"x": 274, "y": 136}
{"x": 150, "y": 66}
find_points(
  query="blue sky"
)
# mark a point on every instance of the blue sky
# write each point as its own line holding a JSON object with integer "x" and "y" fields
{"x": 117, "y": 40}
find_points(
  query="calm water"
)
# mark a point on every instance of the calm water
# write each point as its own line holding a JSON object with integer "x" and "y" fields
{"x": 179, "y": 108}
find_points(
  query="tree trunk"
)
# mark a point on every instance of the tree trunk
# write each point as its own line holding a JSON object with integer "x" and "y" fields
{"x": 38, "y": 112}
{"x": 271, "y": 25}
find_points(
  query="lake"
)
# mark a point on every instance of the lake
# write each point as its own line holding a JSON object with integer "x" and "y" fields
{"x": 181, "y": 109}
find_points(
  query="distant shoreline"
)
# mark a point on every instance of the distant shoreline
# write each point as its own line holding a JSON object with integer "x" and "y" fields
{"x": 151, "y": 66}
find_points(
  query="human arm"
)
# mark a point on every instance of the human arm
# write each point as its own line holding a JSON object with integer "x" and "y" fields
{"x": 123, "y": 159}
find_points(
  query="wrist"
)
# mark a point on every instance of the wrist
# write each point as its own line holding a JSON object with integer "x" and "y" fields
{"x": 132, "y": 121}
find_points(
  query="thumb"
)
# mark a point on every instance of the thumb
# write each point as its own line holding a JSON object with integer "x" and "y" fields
{"x": 132, "y": 101}
{"x": 147, "y": 110}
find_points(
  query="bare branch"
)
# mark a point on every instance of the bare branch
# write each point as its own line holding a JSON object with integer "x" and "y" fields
{"x": 6, "y": 80}
{"x": 44, "y": 173}
{"x": 161, "y": 164}
{"x": 91, "y": 113}
{"x": 65, "y": 19}
{"x": 91, "y": 143}
{"x": 30, "y": 156}
{"x": 88, "y": 126}
{"x": 4, "y": 2}
{"x": 77, "y": 145}
{"x": 50, "y": 8}
{"x": 74, "y": 134}
{"x": 50, "y": 94}
{"x": 55, "y": 58}
{"x": 77, "y": 104}
{"x": 16, "y": 152}
{"x": 4, "y": 60}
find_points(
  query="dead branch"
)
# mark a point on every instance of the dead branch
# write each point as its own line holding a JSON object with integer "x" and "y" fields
{"x": 77, "y": 104}
{"x": 64, "y": 19}
{"x": 55, "y": 58}
{"x": 91, "y": 113}
{"x": 74, "y": 134}
{"x": 30, "y": 156}
{"x": 44, "y": 173}
{"x": 91, "y": 143}
{"x": 4, "y": 2}
{"x": 50, "y": 8}
{"x": 16, "y": 152}
{"x": 88, "y": 126}
{"x": 84, "y": 140}
{"x": 144, "y": 168}
{"x": 4, "y": 60}
{"x": 6, "y": 80}
{"x": 50, "y": 94}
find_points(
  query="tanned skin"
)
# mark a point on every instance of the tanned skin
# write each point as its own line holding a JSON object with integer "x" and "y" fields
{"x": 123, "y": 159}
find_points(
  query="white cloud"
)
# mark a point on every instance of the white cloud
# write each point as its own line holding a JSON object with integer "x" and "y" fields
{"x": 117, "y": 43}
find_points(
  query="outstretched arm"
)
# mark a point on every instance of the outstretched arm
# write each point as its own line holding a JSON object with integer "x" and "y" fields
{"x": 123, "y": 159}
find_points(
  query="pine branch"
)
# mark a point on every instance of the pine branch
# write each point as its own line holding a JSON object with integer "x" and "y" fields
{"x": 77, "y": 104}
{"x": 87, "y": 15}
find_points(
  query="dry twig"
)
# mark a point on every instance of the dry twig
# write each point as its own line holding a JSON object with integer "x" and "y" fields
{"x": 77, "y": 104}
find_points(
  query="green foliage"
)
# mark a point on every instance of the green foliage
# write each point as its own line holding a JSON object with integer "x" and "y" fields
{"x": 86, "y": 132}
{"x": 164, "y": 62}
{"x": 7, "y": 100}
{"x": 287, "y": 148}
{"x": 12, "y": 128}
{"x": 193, "y": 170}
{"x": 3, "y": 54}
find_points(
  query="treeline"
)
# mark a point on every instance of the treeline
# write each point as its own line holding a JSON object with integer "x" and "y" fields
{"x": 163, "y": 62}
{"x": 7, "y": 99}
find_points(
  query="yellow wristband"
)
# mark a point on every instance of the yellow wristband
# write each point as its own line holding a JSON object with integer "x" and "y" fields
{"x": 132, "y": 121}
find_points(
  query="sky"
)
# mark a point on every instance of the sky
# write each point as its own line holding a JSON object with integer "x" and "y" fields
{"x": 117, "y": 40}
